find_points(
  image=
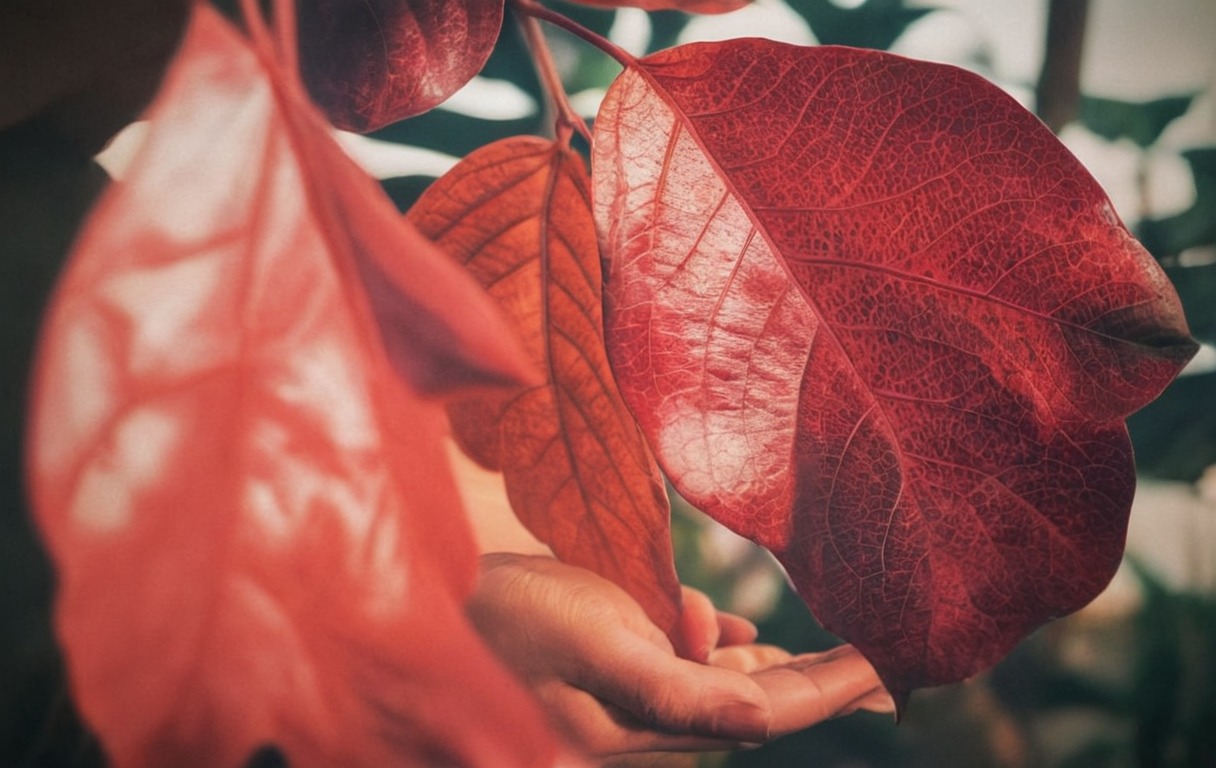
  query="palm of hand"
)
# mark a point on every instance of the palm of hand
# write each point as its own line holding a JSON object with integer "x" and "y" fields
{"x": 614, "y": 683}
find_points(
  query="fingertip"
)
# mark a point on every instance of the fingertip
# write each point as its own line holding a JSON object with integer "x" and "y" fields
{"x": 735, "y": 630}
{"x": 697, "y": 630}
{"x": 744, "y": 721}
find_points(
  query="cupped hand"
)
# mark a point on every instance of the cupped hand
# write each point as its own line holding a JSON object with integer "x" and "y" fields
{"x": 613, "y": 683}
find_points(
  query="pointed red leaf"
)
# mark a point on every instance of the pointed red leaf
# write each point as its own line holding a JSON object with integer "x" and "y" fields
{"x": 873, "y": 315}
{"x": 256, "y": 536}
{"x": 517, "y": 213}
{"x": 374, "y": 62}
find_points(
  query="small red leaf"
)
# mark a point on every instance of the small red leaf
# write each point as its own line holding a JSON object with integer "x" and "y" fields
{"x": 256, "y": 536}
{"x": 375, "y": 62}
{"x": 517, "y": 213}
{"x": 873, "y": 315}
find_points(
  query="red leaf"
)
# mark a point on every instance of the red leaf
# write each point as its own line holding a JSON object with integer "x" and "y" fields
{"x": 517, "y": 213}
{"x": 375, "y": 62}
{"x": 688, "y": 6}
{"x": 256, "y": 536}
{"x": 874, "y": 316}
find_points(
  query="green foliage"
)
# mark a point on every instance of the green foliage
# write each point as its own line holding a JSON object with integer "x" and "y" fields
{"x": 1195, "y": 226}
{"x": 1174, "y": 689}
{"x": 1197, "y": 288}
{"x": 1142, "y": 123}
{"x": 1175, "y": 436}
{"x": 873, "y": 24}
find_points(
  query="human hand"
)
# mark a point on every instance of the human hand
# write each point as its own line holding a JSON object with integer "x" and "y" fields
{"x": 613, "y": 683}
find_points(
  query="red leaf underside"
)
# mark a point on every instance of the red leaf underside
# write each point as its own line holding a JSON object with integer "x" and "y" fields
{"x": 517, "y": 214}
{"x": 254, "y": 528}
{"x": 372, "y": 63}
{"x": 871, "y": 314}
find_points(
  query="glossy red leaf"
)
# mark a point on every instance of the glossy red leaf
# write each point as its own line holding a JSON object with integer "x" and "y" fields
{"x": 255, "y": 533}
{"x": 374, "y": 62}
{"x": 517, "y": 214}
{"x": 873, "y": 315}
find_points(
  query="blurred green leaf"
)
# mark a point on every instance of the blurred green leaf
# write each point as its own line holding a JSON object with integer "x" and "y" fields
{"x": 511, "y": 61}
{"x": 1158, "y": 668}
{"x": 404, "y": 191}
{"x": 592, "y": 68}
{"x": 665, "y": 28}
{"x": 1096, "y": 754}
{"x": 1032, "y": 680}
{"x": 1143, "y": 122}
{"x": 873, "y": 24}
{"x": 1175, "y": 691}
{"x": 454, "y": 133}
{"x": 1195, "y": 226}
{"x": 598, "y": 20}
{"x": 1175, "y": 435}
{"x": 1196, "y": 288}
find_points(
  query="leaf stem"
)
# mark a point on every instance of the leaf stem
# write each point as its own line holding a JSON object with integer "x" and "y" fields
{"x": 285, "y": 31}
{"x": 568, "y": 120}
{"x": 255, "y": 25}
{"x": 533, "y": 9}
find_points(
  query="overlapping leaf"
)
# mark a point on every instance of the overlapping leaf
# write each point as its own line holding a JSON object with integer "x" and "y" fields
{"x": 374, "y": 62}
{"x": 517, "y": 214}
{"x": 255, "y": 533}
{"x": 871, "y": 314}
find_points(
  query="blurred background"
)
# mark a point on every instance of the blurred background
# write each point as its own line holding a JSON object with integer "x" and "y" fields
{"x": 1130, "y": 87}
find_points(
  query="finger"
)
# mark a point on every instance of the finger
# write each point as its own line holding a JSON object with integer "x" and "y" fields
{"x": 601, "y": 729}
{"x": 668, "y": 693}
{"x": 735, "y": 630}
{"x": 749, "y": 658}
{"x": 876, "y": 701}
{"x": 697, "y": 628}
{"x": 812, "y": 688}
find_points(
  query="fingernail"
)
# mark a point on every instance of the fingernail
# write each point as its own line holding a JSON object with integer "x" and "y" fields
{"x": 743, "y": 721}
{"x": 832, "y": 653}
{"x": 887, "y": 702}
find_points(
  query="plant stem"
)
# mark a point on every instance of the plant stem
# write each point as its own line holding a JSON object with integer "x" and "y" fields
{"x": 535, "y": 10}
{"x": 568, "y": 120}
{"x": 285, "y": 31}
{"x": 1058, "y": 93}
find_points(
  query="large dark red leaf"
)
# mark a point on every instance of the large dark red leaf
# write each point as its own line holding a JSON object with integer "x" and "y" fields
{"x": 374, "y": 62}
{"x": 873, "y": 315}
{"x": 255, "y": 533}
{"x": 517, "y": 214}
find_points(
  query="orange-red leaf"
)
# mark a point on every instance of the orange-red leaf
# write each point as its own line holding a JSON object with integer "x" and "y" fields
{"x": 374, "y": 62}
{"x": 873, "y": 315}
{"x": 578, "y": 473}
{"x": 256, "y": 536}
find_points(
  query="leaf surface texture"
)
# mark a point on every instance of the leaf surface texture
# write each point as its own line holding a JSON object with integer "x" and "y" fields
{"x": 871, "y": 314}
{"x": 374, "y": 62}
{"x": 517, "y": 214}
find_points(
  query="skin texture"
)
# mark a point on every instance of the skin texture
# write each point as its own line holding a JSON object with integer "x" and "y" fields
{"x": 612, "y": 683}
